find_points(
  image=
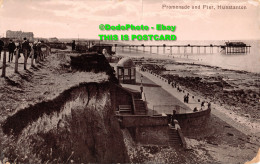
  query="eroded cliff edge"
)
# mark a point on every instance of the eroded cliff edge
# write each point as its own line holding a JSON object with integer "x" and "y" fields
{"x": 71, "y": 121}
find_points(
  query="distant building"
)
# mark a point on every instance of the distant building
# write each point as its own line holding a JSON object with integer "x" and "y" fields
{"x": 236, "y": 47}
{"x": 19, "y": 35}
{"x": 54, "y": 39}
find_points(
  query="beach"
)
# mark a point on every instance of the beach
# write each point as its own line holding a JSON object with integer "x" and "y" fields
{"x": 235, "y": 90}
{"x": 53, "y": 77}
{"x": 234, "y": 95}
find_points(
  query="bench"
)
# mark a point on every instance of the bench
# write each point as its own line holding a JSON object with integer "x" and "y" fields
{"x": 125, "y": 108}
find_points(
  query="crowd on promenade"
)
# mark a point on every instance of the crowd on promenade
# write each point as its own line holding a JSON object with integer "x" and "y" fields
{"x": 28, "y": 49}
{"x": 186, "y": 96}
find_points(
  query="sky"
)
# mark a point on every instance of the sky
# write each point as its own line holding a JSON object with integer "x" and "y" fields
{"x": 81, "y": 18}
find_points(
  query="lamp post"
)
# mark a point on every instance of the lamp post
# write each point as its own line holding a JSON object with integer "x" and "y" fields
{"x": 141, "y": 87}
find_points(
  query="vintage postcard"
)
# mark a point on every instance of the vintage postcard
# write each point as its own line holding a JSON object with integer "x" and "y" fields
{"x": 130, "y": 81}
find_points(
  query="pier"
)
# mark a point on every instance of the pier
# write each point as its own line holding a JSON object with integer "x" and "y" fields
{"x": 193, "y": 49}
{"x": 228, "y": 48}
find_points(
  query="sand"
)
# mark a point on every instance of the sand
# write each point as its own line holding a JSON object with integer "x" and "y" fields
{"x": 225, "y": 144}
{"x": 234, "y": 96}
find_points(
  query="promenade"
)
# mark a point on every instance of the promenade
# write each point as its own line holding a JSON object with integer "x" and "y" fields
{"x": 159, "y": 99}
{"x": 225, "y": 115}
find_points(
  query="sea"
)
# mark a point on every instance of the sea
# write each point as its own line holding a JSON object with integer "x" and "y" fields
{"x": 249, "y": 62}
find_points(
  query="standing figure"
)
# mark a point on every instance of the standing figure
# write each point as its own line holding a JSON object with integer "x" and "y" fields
{"x": 141, "y": 89}
{"x": 73, "y": 45}
{"x": 39, "y": 51}
{"x": 187, "y": 98}
{"x": 35, "y": 51}
{"x": 26, "y": 49}
{"x": 173, "y": 117}
{"x": 209, "y": 105}
{"x": 11, "y": 48}
{"x": 202, "y": 104}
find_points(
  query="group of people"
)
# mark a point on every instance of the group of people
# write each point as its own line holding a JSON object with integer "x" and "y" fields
{"x": 174, "y": 84}
{"x": 186, "y": 96}
{"x": 203, "y": 106}
{"x": 24, "y": 47}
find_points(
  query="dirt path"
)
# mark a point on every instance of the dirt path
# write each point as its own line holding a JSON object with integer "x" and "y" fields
{"x": 37, "y": 84}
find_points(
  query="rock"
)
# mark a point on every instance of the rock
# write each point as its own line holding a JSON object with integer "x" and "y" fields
{"x": 241, "y": 139}
{"x": 247, "y": 115}
{"x": 230, "y": 134}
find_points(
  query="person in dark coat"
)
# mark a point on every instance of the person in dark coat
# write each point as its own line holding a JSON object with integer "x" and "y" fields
{"x": 26, "y": 50}
{"x": 11, "y": 48}
{"x": 25, "y": 45}
{"x": 209, "y": 105}
{"x": 39, "y": 51}
{"x": 1, "y": 47}
{"x": 35, "y": 51}
{"x": 185, "y": 98}
{"x": 73, "y": 45}
{"x": 202, "y": 104}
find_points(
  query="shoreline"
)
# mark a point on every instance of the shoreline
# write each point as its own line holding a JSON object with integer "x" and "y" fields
{"x": 225, "y": 120}
{"x": 54, "y": 76}
{"x": 234, "y": 85}
{"x": 174, "y": 57}
{"x": 217, "y": 110}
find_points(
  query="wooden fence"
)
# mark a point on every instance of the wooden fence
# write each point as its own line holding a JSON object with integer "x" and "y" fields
{"x": 26, "y": 54}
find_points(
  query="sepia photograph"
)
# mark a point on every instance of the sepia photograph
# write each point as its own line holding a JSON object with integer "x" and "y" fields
{"x": 130, "y": 81}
